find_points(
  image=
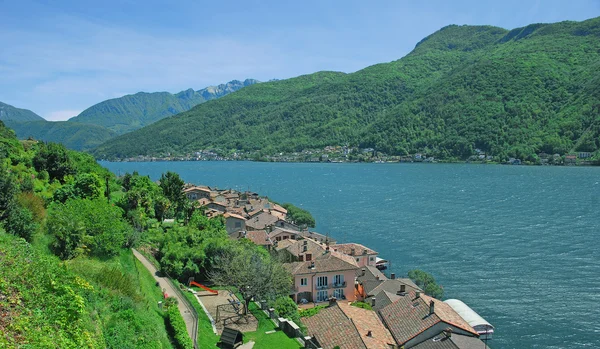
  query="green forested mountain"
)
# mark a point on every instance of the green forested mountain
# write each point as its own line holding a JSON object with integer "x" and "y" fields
{"x": 508, "y": 93}
{"x": 73, "y": 135}
{"x": 132, "y": 112}
{"x": 113, "y": 117}
{"x": 8, "y": 112}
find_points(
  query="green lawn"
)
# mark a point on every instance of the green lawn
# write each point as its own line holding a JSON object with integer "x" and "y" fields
{"x": 207, "y": 339}
{"x": 268, "y": 341}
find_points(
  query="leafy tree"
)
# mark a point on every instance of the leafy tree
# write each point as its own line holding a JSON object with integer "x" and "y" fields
{"x": 88, "y": 186}
{"x": 54, "y": 159}
{"x": 82, "y": 227}
{"x": 426, "y": 282}
{"x": 299, "y": 216}
{"x": 172, "y": 187}
{"x": 287, "y": 308}
{"x": 251, "y": 271}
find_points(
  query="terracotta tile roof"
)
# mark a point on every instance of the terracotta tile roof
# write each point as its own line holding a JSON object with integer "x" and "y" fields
{"x": 455, "y": 341}
{"x": 261, "y": 221}
{"x": 259, "y": 237}
{"x": 317, "y": 237}
{"x": 392, "y": 286}
{"x": 331, "y": 327}
{"x": 367, "y": 320}
{"x": 358, "y": 249}
{"x": 409, "y": 316}
{"x": 370, "y": 273}
{"x": 279, "y": 208}
{"x": 312, "y": 247}
{"x": 323, "y": 263}
{"x": 187, "y": 190}
{"x": 382, "y": 300}
{"x": 278, "y": 230}
{"x": 283, "y": 244}
{"x": 233, "y": 215}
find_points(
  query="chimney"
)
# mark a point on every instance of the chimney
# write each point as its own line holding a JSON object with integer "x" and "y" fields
{"x": 373, "y": 302}
{"x": 363, "y": 272}
{"x": 402, "y": 288}
{"x": 448, "y": 332}
{"x": 417, "y": 295}
{"x": 332, "y": 301}
{"x": 369, "y": 334}
{"x": 352, "y": 251}
{"x": 392, "y": 276}
{"x": 431, "y": 307}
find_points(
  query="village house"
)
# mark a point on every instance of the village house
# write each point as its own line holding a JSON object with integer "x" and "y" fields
{"x": 363, "y": 255}
{"x": 415, "y": 318}
{"x": 372, "y": 284}
{"x": 259, "y": 237}
{"x": 234, "y": 222}
{"x": 279, "y": 234}
{"x": 354, "y": 328}
{"x": 195, "y": 193}
{"x": 261, "y": 221}
{"x": 217, "y": 206}
{"x": 321, "y": 276}
{"x": 282, "y": 223}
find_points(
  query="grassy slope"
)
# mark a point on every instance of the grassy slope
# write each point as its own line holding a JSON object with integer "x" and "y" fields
{"x": 506, "y": 92}
{"x": 76, "y": 136}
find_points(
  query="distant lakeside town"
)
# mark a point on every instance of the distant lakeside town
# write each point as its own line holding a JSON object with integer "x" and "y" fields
{"x": 345, "y": 154}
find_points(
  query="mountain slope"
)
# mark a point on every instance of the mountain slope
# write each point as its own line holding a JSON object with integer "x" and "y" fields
{"x": 131, "y": 112}
{"x": 113, "y": 117}
{"x": 509, "y": 93}
{"x": 8, "y": 112}
{"x": 73, "y": 135}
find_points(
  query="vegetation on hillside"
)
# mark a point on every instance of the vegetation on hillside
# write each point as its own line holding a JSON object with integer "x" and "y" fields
{"x": 73, "y": 135}
{"x": 507, "y": 93}
{"x": 105, "y": 120}
{"x": 8, "y": 112}
{"x": 53, "y": 200}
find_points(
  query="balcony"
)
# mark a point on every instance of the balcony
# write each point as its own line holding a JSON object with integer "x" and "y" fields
{"x": 339, "y": 284}
{"x": 323, "y": 287}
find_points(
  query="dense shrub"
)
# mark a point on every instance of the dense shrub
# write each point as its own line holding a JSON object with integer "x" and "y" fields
{"x": 179, "y": 330}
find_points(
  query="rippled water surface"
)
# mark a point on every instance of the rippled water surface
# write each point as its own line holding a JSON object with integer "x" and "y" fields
{"x": 518, "y": 244}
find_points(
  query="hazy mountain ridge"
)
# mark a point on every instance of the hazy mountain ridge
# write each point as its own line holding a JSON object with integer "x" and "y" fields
{"x": 507, "y": 92}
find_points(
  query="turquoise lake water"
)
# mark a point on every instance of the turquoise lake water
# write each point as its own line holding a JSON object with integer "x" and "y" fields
{"x": 520, "y": 245}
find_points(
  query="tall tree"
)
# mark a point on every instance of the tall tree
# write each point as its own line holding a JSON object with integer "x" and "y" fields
{"x": 252, "y": 272}
{"x": 172, "y": 187}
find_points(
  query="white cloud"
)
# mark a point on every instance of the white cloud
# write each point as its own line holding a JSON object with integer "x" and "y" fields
{"x": 61, "y": 115}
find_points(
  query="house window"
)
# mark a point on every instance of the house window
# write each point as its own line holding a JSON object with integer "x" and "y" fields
{"x": 338, "y": 280}
{"x": 286, "y": 237}
{"x": 372, "y": 259}
{"x": 301, "y": 258}
{"x": 357, "y": 260}
{"x": 322, "y": 282}
{"x": 322, "y": 296}
{"x": 339, "y": 293}
{"x": 308, "y": 257}
{"x": 303, "y": 282}
{"x": 278, "y": 238}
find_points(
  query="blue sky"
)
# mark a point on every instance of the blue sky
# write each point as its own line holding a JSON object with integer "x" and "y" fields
{"x": 60, "y": 57}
